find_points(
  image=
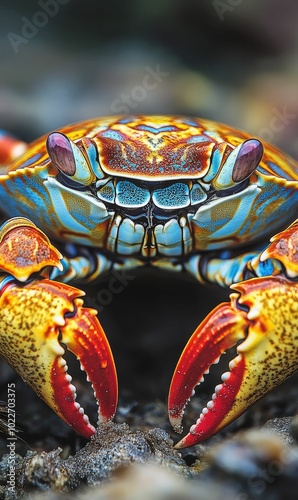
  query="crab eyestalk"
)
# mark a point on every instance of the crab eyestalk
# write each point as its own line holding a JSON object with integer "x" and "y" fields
{"x": 37, "y": 317}
{"x": 263, "y": 312}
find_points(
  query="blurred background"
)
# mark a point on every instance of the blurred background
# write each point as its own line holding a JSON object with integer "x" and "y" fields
{"x": 230, "y": 60}
{"x": 233, "y": 61}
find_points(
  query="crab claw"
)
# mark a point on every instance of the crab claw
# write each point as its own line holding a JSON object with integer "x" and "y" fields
{"x": 263, "y": 313}
{"x": 38, "y": 318}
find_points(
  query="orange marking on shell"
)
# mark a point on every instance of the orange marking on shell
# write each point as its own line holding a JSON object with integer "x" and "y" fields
{"x": 135, "y": 158}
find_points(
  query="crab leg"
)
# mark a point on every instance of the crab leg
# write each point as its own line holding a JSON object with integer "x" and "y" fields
{"x": 265, "y": 313}
{"x": 38, "y": 317}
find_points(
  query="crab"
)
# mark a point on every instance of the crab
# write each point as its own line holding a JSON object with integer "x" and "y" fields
{"x": 176, "y": 193}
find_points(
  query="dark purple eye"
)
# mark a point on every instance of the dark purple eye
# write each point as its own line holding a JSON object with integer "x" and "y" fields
{"x": 61, "y": 153}
{"x": 248, "y": 158}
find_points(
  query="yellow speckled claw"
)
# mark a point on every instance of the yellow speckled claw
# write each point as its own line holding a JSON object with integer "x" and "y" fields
{"x": 35, "y": 316}
{"x": 263, "y": 312}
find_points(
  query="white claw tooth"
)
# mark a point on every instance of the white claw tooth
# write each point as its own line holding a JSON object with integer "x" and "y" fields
{"x": 65, "y": 367}
{"x": 77, "y": 405}
{"x": 62, "y": 362}
{"x": 225, "y": 376}
{"x": 214, "y": 396}
{"x": 206, "y": 372}
{"x": 201, "y": 416}
{"x": 232, "y": 364}
{"x": 68, "y": 377}
{"x": 216, "y": 361}
{"x": 205, "y": 411}
{"x": 192, "y": 430}
{"x": 201, "y": 380}
{"x": 210, "y": 405}
{"x": 253, "y": 313}
{"x": 86, "y": 419}
{"x": 81, "y": 410}
{"x": 218, "y": 388}
{"x": 72, "y": 388}
{"x": 193, "y": 392}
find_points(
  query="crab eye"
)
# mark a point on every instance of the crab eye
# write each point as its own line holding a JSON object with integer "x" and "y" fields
{"x": 248, "y": 158}
{"x": 69, "y": 159}
{"x": 239, "y": 165}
